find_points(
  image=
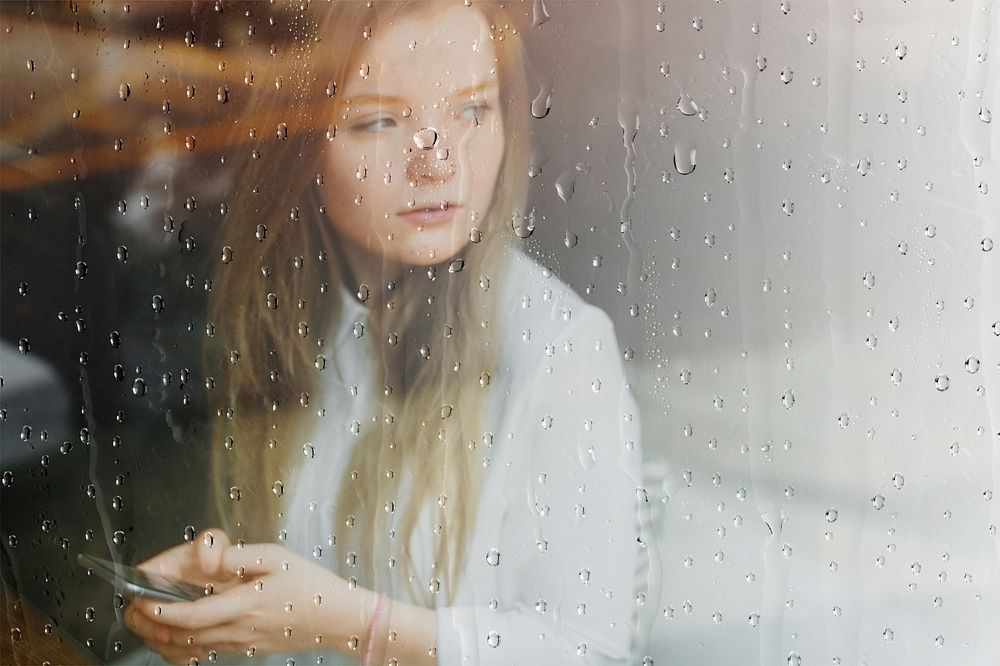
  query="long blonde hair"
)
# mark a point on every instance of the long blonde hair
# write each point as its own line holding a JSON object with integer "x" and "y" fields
{"x": 278, "y": 291}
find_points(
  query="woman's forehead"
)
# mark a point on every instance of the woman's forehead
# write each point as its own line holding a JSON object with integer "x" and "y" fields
{"x": 425, "y": 56}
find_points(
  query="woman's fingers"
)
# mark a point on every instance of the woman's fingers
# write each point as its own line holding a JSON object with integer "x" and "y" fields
{"x": 173, "y": 562}
{"x": 229, "y": 637}
{"x": 254, "y": 559}
{"x": 182, "y": 642}
{"x": 145, "y": 627}
{"x": 181, "y": 656}
{"x": 210, "y": 545}
{"x": 201, "y": 556}
{"x": 197, "y": 615}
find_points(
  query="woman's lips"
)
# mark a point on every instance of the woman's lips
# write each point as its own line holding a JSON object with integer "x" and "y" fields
{"x": 425, "y": 216}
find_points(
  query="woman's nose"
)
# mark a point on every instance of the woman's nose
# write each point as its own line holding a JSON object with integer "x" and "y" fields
{"x": 429, "y": 160}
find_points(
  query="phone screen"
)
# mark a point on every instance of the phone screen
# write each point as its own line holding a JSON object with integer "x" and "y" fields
{"x": 141, "y": 582}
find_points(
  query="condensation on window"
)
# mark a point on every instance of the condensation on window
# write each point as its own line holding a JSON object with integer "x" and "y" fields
{"x": 573, "y": 332}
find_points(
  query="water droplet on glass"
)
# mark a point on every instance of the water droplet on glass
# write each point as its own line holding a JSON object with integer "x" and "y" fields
{"x": 685, "y": 159}
{"x": 565, "y": 185}
{"x": 539, "y": 15}
{"x": 788, "y": 399}
{"x": 942, "y": 382}
{"x": 542, "y": 104}
{"x": 523, "y": 225}
{"x": 984, "y": 114}
{"x": 493, "y": 639}
{"x": 139, "y": 387}
{"x": 972, "y": 365}
{"x": 493, "y": 557}
{"x": 687, "y": 106}
{"x": 426, "y": 138}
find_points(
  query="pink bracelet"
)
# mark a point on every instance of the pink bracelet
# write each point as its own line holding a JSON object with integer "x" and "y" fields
{"x": 371, "y": 632}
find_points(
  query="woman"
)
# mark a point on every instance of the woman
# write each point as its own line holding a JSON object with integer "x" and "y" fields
{"x": 423, "y": 440}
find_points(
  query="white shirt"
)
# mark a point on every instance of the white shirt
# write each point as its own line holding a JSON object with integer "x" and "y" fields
{"x": 552, "y": 559}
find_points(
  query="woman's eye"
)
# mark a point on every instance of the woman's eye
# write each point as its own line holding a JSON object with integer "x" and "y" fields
{"x": 473, "y": 112}
{"x": 376, "y": 125}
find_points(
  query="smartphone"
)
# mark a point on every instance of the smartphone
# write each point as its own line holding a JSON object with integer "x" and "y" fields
{"x": 141, "y": 583}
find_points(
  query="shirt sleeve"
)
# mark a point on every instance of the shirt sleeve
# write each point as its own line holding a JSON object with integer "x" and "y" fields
{"x": 569, "y": 546}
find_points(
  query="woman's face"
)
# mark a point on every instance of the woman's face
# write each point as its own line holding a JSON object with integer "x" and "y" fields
{"x": 420, "y": 139}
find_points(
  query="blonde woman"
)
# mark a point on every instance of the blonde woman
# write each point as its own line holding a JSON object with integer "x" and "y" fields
{"x": 423, "y": 442}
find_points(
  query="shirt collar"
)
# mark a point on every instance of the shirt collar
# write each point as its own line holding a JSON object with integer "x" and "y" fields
{"x": 352, "y": 310}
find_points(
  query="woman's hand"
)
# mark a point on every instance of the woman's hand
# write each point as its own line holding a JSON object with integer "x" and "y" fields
{"x": 198, "y": 562}
{"x": 271, "y": 600}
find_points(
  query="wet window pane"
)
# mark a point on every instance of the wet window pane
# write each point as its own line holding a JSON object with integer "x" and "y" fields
{"x": 487, "y": 333}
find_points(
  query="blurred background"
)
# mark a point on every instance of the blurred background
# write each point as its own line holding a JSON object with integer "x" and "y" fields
{"x": 785, "y": 206}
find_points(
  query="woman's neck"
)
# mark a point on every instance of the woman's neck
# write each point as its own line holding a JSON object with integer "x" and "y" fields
{"x": 359, "y": 266}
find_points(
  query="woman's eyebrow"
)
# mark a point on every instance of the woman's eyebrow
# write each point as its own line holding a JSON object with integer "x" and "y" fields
{"x": 473, "y": 90}
{"x": 376, "y": 100}
{"x": 393, "y": 100}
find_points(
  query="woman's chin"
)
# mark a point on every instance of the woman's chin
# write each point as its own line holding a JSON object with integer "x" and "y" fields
{"x": 426, "y": 256}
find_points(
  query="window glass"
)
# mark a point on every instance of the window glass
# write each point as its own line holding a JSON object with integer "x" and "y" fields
{"x": 493, "y": 332}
